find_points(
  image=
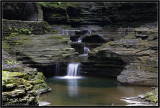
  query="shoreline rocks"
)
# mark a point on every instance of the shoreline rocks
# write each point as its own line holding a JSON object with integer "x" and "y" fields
{"x": 148, "y": 99}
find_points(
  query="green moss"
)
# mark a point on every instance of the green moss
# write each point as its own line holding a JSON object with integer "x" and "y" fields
{"x": 130, "y": 36}
{"x": 56, "y": 37}
{"x": 76, "y": 20}
{"x": 40, "y": 86}
{"x": 5, "y": 45}
{"x": 40, "y": 75}
{"x": 65, "y": 55}
{"x": 36, "y": 81}
{"x": 14, "y": 69}
{"x": 12, "y": 74}
{"x": 152, "y": 96}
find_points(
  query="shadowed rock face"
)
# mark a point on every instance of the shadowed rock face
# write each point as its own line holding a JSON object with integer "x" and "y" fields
{"x": 85, "y": 13}
{"x": 30, "y": 12}
{"x": 93, "y": 39}
{"x": 140, "y": 56}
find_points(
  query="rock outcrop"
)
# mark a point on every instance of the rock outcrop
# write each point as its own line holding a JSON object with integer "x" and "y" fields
{"x": 140, "y": 56}
{"x": 21, "y": 85}
{"x": 89, "y": 13}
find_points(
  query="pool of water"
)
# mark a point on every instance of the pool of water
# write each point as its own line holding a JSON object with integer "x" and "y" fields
{"x": 89, "y": 91}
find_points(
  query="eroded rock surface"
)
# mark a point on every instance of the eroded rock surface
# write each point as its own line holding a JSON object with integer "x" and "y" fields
{"x": 21, "y": 85}
{"x": 140, "y": 56}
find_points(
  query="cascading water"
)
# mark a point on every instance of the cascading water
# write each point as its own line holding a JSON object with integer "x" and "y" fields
{"x": 86, "y": 50}
{"x": 72, "y": 70}
{"x": 65, "y": 32}
{"x": 89, "y": 31}
{"x": 80, "y": 39}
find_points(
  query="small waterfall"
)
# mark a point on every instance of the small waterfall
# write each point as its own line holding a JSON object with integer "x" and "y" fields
{"x": 93, "y": 7}
{"x": 80, "y": 39}
{"x": 89, "y": 31}
{"x": 86, "y": 50}
{"x": 57, "y": 68}
{"x": 72, "y": 69}
{"x": 65, "y": 32}
{"x": 62, "y": 32}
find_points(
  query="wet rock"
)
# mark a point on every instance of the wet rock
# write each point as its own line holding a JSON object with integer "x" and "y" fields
{"x": 10, "y": 86}
{"x": 93, "y": 39}
{"x": 138, "y": 55}
{"x": 20, "y": 91}
{"x": 43, "y": 103}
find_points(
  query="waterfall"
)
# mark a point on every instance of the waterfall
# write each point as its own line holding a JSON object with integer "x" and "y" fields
{"x": 80, "y": 39}
{"x": 86, "y": 50}
{"x": 89, "y": 31}
{"x": 57, "y": 68}
{"x": 72, "y": 69}
{"x": 65, "y": 32}
{"x": 62, "y": 32}
{"x": 93, "y": 7}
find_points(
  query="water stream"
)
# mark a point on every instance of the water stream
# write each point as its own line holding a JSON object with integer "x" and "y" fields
{"x": 74, "y": 89}
{"x": 80, "y": 39}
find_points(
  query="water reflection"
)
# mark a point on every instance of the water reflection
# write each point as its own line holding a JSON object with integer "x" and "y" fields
{"x": 72, "y": 85}
{"x": 89, "y": 91}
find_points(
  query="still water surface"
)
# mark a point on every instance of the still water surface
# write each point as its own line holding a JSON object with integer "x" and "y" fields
{"x": 92, "y": 91}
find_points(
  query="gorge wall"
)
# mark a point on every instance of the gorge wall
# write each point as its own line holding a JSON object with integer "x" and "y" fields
{"x": 102, "y": 13}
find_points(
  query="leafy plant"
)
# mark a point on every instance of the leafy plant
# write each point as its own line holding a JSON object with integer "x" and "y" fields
{"x": 15, "y": 31}
{"x": 14, "y": 34}
{"x": 11, "y": 61}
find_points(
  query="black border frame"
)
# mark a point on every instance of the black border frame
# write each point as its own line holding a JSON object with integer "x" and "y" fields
{"x": 133, "y": 1}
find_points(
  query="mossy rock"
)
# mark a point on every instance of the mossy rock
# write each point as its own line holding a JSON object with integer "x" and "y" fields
{"x": 152, "y": 96}
{"x": 13, "y": 74}
{"x": 40, "y": 86}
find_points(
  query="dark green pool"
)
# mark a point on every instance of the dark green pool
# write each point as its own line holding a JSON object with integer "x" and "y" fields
{"x": 90, "y": 91}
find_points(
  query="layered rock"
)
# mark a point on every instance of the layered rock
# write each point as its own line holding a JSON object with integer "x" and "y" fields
{"x": 140, "y": 56}
{"x": 12, "y": 26}
{"x": 20, "y": 85}
{"x": 99, "y": 13}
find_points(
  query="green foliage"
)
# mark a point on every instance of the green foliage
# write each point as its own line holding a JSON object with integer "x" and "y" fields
{"x": 7, "y": 74}
{"x": 51, "y": 4}
{"x": 56, "y": 37}
{"x": 25, "y": 31}
{"x": 16, "y": 31}
{"x": 11, "y": 61}
{"x": 14, "y": 34}
{"x": 62, "y": 5}
{"x": 42, "y": 4}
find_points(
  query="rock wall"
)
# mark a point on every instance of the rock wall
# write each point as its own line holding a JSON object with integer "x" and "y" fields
{"x": 40, "y": 51}
{"x": 34, "y": 26}
{"x": 21, "y": 85}
{"x": 99, "y": 13}
{"x": 102, "y": 13}
{"x": 140, "y": 55}
{"x": 28, "y": 11}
